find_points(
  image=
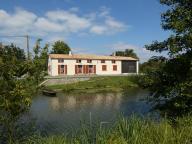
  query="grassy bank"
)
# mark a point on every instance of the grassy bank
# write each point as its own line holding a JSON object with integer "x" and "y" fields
{"x": 99, "y": 84}
{"x": 127, "y": 131}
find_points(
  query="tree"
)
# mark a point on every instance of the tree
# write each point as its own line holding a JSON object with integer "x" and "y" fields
{"x": 38, "y": 67}
{"x": 15, "y": 92}
{"x": 127, "y": 53}
{"x": 153, "y": 64}
{"x": 172, "y": 83}
{"x": 60, "y": 47}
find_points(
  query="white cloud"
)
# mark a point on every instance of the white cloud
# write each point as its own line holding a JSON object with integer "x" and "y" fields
{"x": 57, "y": 24}
{"x": 109, "y": 24}
{"x": 70, "y": 20}
{"x": 96, "y": 29}
{"x": 43, "y": 24}
{"x": 59, "y": 21}
{"x": 20, "y": 22}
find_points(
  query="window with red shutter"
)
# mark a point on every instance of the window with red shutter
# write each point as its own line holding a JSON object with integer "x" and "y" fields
{"x": 114, "y": 67}
{"x": 104, "y": 67}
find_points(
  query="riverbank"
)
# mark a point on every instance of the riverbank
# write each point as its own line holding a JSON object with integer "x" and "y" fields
{"x": 98, "y": 84}
{"x": 132, "y": 130}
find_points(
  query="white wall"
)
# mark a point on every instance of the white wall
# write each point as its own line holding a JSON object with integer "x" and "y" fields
{"x": 71, "y": 66}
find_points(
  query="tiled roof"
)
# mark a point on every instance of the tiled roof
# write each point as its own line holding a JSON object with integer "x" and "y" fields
{"x": 93, "y": 57}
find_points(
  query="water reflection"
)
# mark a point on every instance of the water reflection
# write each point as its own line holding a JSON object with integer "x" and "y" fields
{"x": 68, "y": 110}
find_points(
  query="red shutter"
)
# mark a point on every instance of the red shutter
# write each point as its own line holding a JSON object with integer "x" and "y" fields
{"x": 104, "y": 67}
{"x": 87, "y": 71}
{"x": 114, "y": 67}
{"x": 94, "y": 68}
{"x": 84, "y": 69}
{"x": 58, "y": 69}
{"x": 75, "y": 69}
{"x": 65, "y": 69}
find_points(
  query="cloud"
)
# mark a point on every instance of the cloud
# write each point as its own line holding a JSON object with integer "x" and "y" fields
{"x": 69, "y": 20}
{"x": 59, "y": 21}
{"x": 98, "y": 29}
{"x": 58, "y": 24}
{"x": 109, "y": 24}
{"x": 20, "y": 22}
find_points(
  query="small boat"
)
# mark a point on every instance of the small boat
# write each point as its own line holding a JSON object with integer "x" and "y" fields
{"x": 49, "y": 93}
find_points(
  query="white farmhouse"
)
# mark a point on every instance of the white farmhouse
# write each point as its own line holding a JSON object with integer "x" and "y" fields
{"x": 73, "y": 64}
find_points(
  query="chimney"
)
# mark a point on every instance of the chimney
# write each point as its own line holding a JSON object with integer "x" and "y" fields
{"x": 70, "y": 53}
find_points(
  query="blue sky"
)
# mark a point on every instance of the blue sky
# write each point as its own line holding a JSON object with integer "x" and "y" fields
{"x": 88, "y": 26}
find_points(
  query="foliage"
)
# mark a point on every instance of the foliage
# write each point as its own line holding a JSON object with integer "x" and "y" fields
{"x": 60, "y": 47}
{"x": 132, "y": 130}
{"x": 15, "y": 90}
{"x": 38, "y": 66}
{"x": 171, "y": 83}
{"x": 152, "y": 64}
{"x": 127, "y": 53}
{"x": 97, "y": 84}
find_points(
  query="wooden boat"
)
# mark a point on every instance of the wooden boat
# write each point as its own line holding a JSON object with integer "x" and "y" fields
{"x": 49, "y": 93}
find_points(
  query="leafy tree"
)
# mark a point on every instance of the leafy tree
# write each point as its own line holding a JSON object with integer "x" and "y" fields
{"x": 172, "y": 83}
{"x": 60, "y": 47}
{"x": 153, "y": 64}
{"x": 127, "y": 53}
{"x": 15, "y": 91}
{"x": 38, "y": 65}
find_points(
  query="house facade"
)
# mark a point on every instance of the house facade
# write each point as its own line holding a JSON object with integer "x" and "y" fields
{"x": 72, "y": 64}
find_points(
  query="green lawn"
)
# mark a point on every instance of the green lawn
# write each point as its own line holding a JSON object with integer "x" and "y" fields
{"x": 99, "y": 84}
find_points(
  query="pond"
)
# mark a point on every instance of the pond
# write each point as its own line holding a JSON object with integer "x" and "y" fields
{"x": 66, "y": 111}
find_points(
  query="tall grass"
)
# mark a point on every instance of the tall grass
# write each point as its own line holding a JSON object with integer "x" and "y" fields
{"x": 132, "y": 130}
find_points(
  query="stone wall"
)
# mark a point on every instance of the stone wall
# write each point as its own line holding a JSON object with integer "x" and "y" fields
{"x": 64, "y": 80}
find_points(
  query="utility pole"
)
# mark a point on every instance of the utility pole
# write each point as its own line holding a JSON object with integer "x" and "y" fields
{"x": 27, "y": 37}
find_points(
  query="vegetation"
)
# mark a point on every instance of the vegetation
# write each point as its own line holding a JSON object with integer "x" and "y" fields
{"x": 18, "y": 82}
{"x": 132, "y": 130}
{"x": 127, "y": 53}
{"x": 99, "y": 84}
{"x": 60, "y": 47}
{"x": 153, "y": 64}
{"x": 38, "y": 66}
{"x": 15, "y": 90}
{"x": 171, "y": 83}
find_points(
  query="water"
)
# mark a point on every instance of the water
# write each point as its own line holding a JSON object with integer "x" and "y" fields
{"x": 66, "y": 111}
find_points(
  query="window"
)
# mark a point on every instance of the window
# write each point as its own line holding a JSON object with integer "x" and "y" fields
{"x": 90, "y": 69}
{"x": 80, "y": 66}
{"x": 79, "y": 69}
{"x": 89, "y": 61}
{"x": 102, "y": 61}
{"x": 114, "y": 67}
{"x": 104, "y": 67}
{"x": 78, "y": 61}
{"x": 113, "y": 61}
{"x": 60, "y": 60}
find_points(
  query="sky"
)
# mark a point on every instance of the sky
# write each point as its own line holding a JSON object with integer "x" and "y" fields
{"x": 87, "y": 26}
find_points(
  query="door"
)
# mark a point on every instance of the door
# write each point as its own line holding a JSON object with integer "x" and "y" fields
{"x": 128, "y": 67}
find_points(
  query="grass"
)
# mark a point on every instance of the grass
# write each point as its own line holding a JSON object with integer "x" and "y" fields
{"x": 99, "y": 84}
{"x": 132, "y": 130}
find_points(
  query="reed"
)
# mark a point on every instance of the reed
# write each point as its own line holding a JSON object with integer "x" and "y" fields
{"x": 132, "y": 130}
